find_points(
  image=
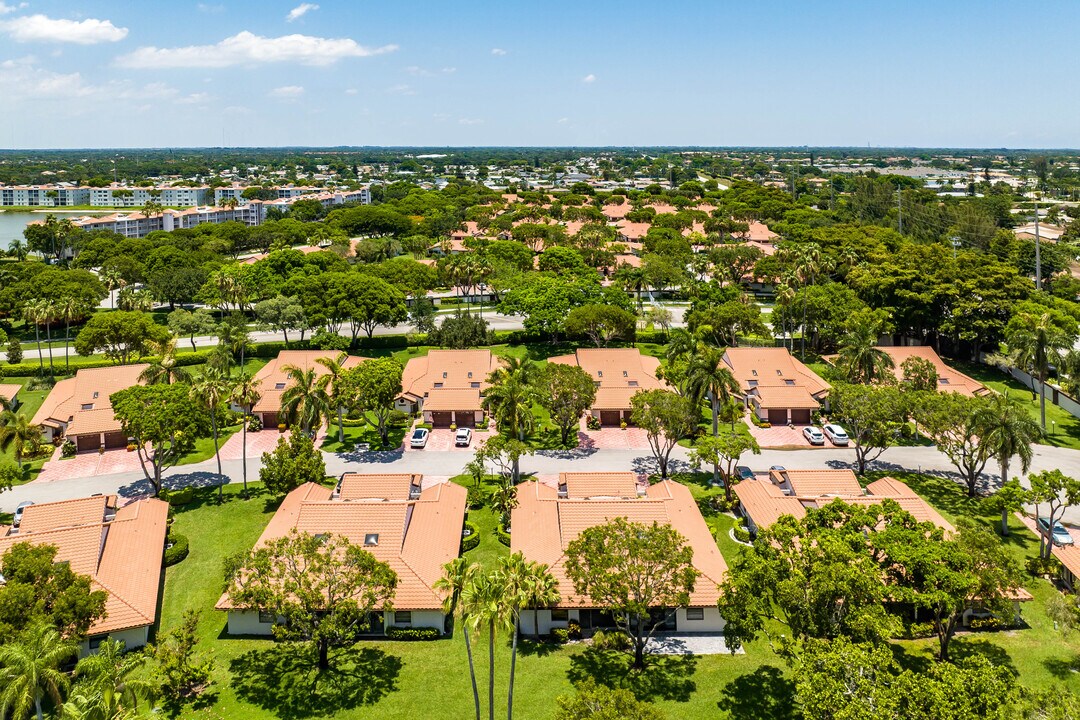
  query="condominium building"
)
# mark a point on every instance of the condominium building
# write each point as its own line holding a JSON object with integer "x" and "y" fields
{"x": 43, "y": 196}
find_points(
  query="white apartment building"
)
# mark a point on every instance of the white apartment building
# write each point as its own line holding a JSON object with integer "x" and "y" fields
{"x": 43, "y": 196}
{"x": 139, "y": 196}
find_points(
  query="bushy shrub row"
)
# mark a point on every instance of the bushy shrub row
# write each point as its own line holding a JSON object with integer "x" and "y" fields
{"x": 176, "y": 548}
{"x": 504, "y": 536}
{"x": 471, "y": 538}
{"x": 398, "y": 633}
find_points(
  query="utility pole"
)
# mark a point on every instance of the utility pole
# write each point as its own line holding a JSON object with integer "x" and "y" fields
{"x": 1038, "y": 251}
{"x": 899, "y": 212}
{"x": 955, "y": 244}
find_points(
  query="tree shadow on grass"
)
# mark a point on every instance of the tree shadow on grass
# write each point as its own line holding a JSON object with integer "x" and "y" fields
{"x": 764, "y": 694}
{"x": 541, "y": 648}
{"x": 665, "y": 677}
{"x": 965, "y": 647}
{"x": 285, "y": 680}
{"x": 1063, "y": 667}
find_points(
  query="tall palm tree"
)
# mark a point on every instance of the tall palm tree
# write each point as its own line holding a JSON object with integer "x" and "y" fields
{"x": 457, "y": 575}
{"x": 709, "y": 376}
{"x": 210, "y": 390}
{"x": 162, "y": 368}
{"x": 245, "y": 394}
{"x": 632, "y": 279}
{"x": 17, "y": 248}
{"x": 107, "y": 679}
{"x": 30, "y": 671}
{"x": 16, "y": 431}
{"x": 305, "y": 400}
{"x": 515, "y": 571}
{"x": 1038, "y": 343}
{"x": 31, "y": 312}
{"x": 510, "y": 401}
{"x": 1005, "y": 427}
{"x": 785, "y": 296}
{"x": 859, "y": 356}
{"x": 70, "y": 308}
{"x": 49, "y": 312}
{"x": 333, "y": 388}
{"x": 485, "y": 597}
{"x": 113, "y": 281}
{"x": 807, "y": 264}
{"x": 541, "y": 591}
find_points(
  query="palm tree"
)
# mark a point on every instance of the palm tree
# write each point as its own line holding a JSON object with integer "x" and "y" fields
{"x": 113, "y": 281}
{"x": 510, "y": 402}
{"x": 486, "y": 599}
{"x": 245, "y": 394}
{"x": 457, "y": 575}
{"x": 70, "y": 308}
{"x": 808, "y": 264}
{"x": 210, "y": 390}
{"x": 859, "y": 356}
{"x": 31, "y": 312}
{"x": 708, "y": 375}
{"x": 162, "y": 369}
{"x": 110, "y": 691}
{"x": 31, "y": 671}
{"x": 632, "y": 279}
{"x": 331, "y": 385}
{"x": 541, "y": 590}
{"x": 785, "y": 296}
{"x": 1038, "y": 342}
{"x": 17, "y": 431}
{"x": 1006, "y": 428}
{"x": 17, "y": 248}
{"x": 515, "y": 571}
{"x": 305, "y": 400}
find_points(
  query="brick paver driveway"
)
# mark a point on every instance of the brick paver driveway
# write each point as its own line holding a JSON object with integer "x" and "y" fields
{"x": 610, "y": 438}
{"x": 89, "y": 464}
{"x": 779, "y": 436}
{"x": 442, "y": 439}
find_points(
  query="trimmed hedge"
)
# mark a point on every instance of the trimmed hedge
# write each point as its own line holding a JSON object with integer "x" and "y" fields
{"x": 178, "y": 549}
{"x": 398, "y": 633}
{"x": 178, "y": 498}
{"x": 560, "y": 635}
{"x": 741, "y": 533}
{"x": 470, "y": 541}
{"x": 504, "y": 536}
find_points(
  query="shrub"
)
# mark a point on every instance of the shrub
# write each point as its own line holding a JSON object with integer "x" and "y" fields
{"x": 573, "y": 630}
{"x": 611, "y": 640}
{"x": 741, "y": 533}
{"x": 176, "y": 547}
{"x": 504, "y": 536}
{"x": 399, "y": 633}
{"x": 920, "y": 630}
{"x": 10, "y": 473}
{"x": 14, "y": 352}
{"x": 475, "y": 497}
{"x": 593, "y": 423}
{"x": 398, "y": 418}
{"x": 329, "y": 341}
{"x": 68, "y": 449}
{"x": 986, "y": 623}
{"x": 471, "y": 538}
{"x": 720, "y": 503}
{"x": 254, "y": 423}
{"x": 560, "y": 635}
{"x": 181, "y": 497}
{"x": 1038, "y": 566}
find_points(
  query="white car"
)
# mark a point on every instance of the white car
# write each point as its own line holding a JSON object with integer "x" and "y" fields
{"x": 836, "y": 434}
{"x": 813, "y": 435}
{"x": 463, "y": 437}
{"x": 19, "y": 512}
{"x": 419, "y": 438}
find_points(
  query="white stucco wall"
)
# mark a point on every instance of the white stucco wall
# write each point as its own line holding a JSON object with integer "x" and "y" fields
{"x": 546, "y": 623}
{"x": 246, "y": 622}
{"x": 420, "y": 619}
{"x": 712, "y": 622}
{"x": 132, "y": 638}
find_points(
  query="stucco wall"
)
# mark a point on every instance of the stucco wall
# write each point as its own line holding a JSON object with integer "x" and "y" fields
{"x": 132, "y": 638}
{"x": 712, "y": 622}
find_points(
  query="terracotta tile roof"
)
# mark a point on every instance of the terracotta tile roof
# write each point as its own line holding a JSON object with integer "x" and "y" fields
{"x": 453, "y": 399}
{"x": 620, "y": 373}
{"x": 773, "y": 396}
{"x": 617, "y": 212}
{"x": 122, "y": 555}
{"x": 273, "y": 380}
{"x": 361, "y": 486}
{"x": 633, "y": 230}
{"x": 585, "y": 485}
{"x": 10, "y": 390}
{"x": 543, "y": 525}
{"x": 456, "y": 369}
{"x": 949, "y": 380}
{"x": 760, "y": 232}
{"x": 772, "y": 368}
{"x": 818, "y": 483}
{"x": 761, "y": 501}
{"x": 87, "y": 394}
{"x": 415, "y": 537}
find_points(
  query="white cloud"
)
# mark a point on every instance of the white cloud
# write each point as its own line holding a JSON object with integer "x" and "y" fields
{"x": 210, "y": 9}
{"x": 417, "y": 71}
{"x": 286, "y": 92}
{"x": 498, "y": 51}
{"x": 5, "y": 8}
{"x": 246, "y": 48}
{"x": 199, "y": 98}
{"x": 470, "y": 121}
{"x": 300, "y": 11}
{"x": 41, "y": 28}
{"x": 589, "y": 79}
{"x": 401, "y": 89}
{"x": 351, "y": 91}
{"x": 449, "y": 70}
{"x": 562, "y": 121}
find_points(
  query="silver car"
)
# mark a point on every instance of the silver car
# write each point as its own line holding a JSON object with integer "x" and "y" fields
{"x": 1059, "y": 534}
{"x": 836, "y": 434}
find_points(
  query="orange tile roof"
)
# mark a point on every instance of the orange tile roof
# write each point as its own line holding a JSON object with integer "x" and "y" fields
{"x": 949, "y": 379}
{"x": 585, "y": 485}
{"x": 774, "y": 396}
{"x": 391, "y": 486}
{"x": 452, "y": 369}
{"x": 10, "y": 390}
{"x": 543, "y": 525}
{"x": 761, "y": 501}
{"x": 122, "y": 555}
{"x": 273, "y": 380}
{"x": 415, "y": 537}
{"x": 453, "y": 399}
{"x": 620, "y": 372}
{"x": 819, "y": 483}
{"x": 87, "y": 394}
{"x": 772, "y": 367}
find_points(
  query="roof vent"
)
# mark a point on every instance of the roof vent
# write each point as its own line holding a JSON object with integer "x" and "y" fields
{"x": 444, "y": 375}
{"x": 625, "y": 374}
{"x": 754, "y": 373}
{"x": 322, "y": 537}
{"x": 371, "y": 539}
{"x": 599, "y": 373}
{"x": 470, "y": 374}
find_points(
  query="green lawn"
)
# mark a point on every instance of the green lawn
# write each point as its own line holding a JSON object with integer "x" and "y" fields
{"x": 29, "y": 402}
{"x": 358, "y": 435}
{"x": 204, "y": 447}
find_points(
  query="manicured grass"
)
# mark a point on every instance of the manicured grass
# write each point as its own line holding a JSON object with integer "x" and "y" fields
{"x": 360, "y": 435}
{"x": 204, "y": 447}
{"x": 29, "y": 402}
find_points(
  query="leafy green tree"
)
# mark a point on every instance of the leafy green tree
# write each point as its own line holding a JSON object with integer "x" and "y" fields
{"x": 972, "y": 687}
{"x": 724, "y": 324}
{"x": 918, "y": 375}
{"x": 599, "y": 702}
{"x": 842, "y": 680}
{"x": 321, "y": 589}
{"x": 37, "y": 588}
{"x": 723, "y": 453}
{"x": 281, "y": 313}
{"x": 505, "y": 454}
{"x": 369, "y": 302}
{"x": 631, "y": 569}
{"x": 1009, "y": 498}
{"x": 949, "y": 419}
{"x": 30, "y": 671}
{"x": 871, "y": 414}
{"x": 163, "y": 417}
{"x": 460, "y": 331}
{"x": 601, "y": 324}
{"x": 14, "y": 352}
{"x": 190, "y": 323}
{"x": 122, "y": 335}
{"x": 291, "y": 464}
{"x": 666, "y": 418}
{"x": 179, "y": 673}
{"x": 372, "y": 388}
{"x": 1006, "y": 429}
{"x": 1059, "y": 492}
{"x": 566, "y": 392}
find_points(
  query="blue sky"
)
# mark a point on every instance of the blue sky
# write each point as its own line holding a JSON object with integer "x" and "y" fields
{"x": 330, "y": 72}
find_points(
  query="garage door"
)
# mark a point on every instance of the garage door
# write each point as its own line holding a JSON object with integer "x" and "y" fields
{"x": 778, "y": 417}
{"x": 87, "y": 442}
{"x": 609, "y": 417}
{"x": 466, "y": 418}
{"x": 800, "y": 417}
{"x": 115, "y": 440}
{"x": 441, "y": 419}
{"x": 269, "y": 420}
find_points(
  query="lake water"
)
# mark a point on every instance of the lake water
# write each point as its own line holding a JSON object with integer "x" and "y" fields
{"x": 13, "y": 223}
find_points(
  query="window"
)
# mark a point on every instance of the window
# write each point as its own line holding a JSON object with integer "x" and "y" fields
{"x": 87, "y": 406}
{"x": 558, "y": 615}
{"x": 279, "y": 386}
{"x": 322, "y": 537}
{"x": 371, "y": 539}
{"x": 752, "y": 383}
{"x": 266, "y": 618}
{"x": 943, "y": 381}
{"x": 438, "y": 385}
{"x": 402, "y": 617}
{"x": 695, "y": 613}
{"x": 95, "y": 642}
{"x": 474, "y": 385}
{"x": 632, "y": 383}
{"x": 789, "y": 382}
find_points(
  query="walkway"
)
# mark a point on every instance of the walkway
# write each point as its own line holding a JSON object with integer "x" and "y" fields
{"x": 676, "y": 643}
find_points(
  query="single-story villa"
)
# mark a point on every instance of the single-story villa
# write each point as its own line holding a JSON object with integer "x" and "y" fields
{"x": 949, "y": 379}
{"x": 120, "y": 548}
{"x": 273, "y": 380}
{"x": 619, "y": 374}
{"x": 547, "y": 519}
{"x": 79, "y": 408}
{"x": 10, "y": 392}
{"x": 414, "y": 529}
{"x": 447, "y": 386}
{"x": 776, "y": 387}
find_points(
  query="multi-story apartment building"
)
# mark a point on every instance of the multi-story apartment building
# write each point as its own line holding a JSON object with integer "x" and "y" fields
{"x": 43, "y": 196}
{"x": 284, "y": 192}
{"x": 139, "y": 196}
